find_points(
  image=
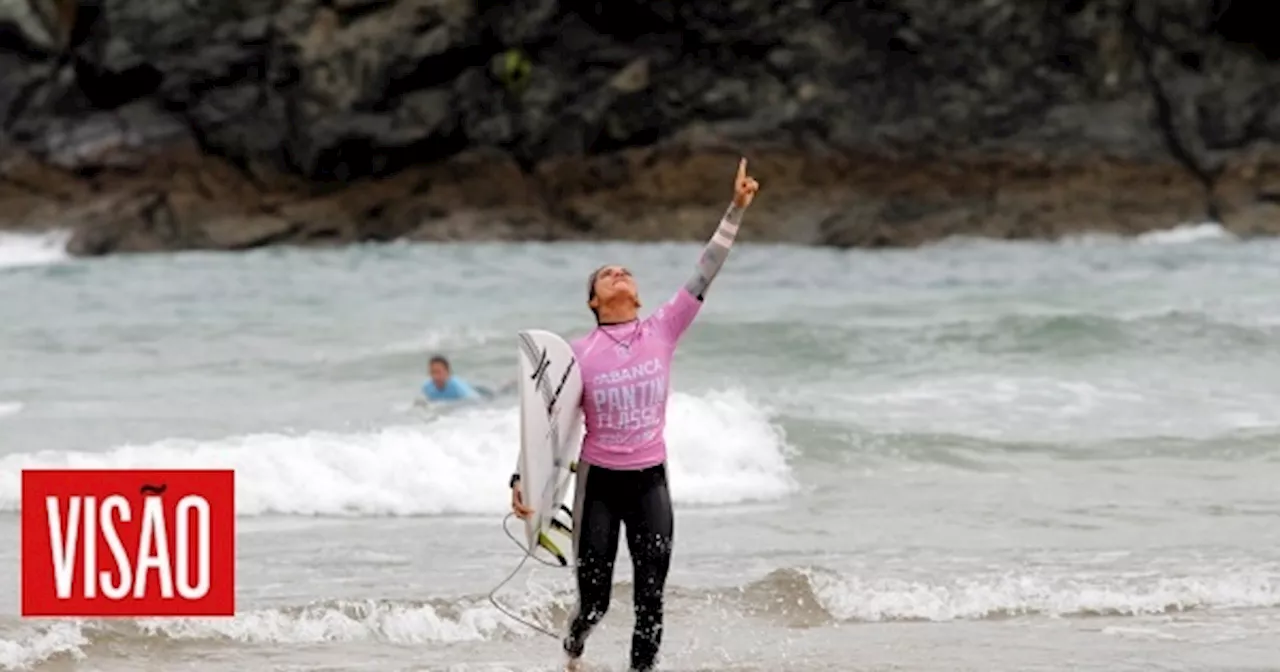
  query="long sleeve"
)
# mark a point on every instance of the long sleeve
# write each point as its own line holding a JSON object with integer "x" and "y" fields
{"x": 715, "y": 252}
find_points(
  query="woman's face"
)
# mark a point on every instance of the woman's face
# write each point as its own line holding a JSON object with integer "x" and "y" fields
{"x": 613, "y": 283}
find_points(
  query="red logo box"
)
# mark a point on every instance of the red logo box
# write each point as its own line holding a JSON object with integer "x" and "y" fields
{"x": 106, "y": 542}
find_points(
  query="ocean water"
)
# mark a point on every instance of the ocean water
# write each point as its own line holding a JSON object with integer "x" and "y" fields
{"x": 971, "y": 456}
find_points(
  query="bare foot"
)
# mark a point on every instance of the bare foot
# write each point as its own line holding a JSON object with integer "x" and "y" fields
{"x": 573, "y": 665}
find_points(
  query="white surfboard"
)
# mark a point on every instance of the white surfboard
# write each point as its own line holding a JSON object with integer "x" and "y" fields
{"x": 550, "y": 387}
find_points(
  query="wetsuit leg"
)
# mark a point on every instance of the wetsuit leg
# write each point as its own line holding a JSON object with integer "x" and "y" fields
{"x": 595, "y": 542}
{"x": 650, "y": 527}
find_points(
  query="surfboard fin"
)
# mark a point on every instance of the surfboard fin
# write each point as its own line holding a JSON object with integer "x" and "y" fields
{"x": 546, "y": 543}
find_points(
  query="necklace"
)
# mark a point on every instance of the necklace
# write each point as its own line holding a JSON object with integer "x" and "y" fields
{"x": 627, "y": 345}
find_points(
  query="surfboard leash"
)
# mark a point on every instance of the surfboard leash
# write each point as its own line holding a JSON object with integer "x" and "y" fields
{"x": 528, "y": 553}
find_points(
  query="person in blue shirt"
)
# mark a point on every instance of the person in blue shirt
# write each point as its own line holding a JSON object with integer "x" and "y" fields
{"x": 443, "y": 386}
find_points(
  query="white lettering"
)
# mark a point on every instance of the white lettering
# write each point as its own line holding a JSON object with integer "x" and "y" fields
{"x": 633, "y": 407}
{"x": 90, "y": 537}
{"x": 629, "y": 396}
{"x": 153, "y": 550}
{"x": 115, "y": 591}
{"x": 642, "y": 370}
{"x": 85, "y": 520}
{"x": 201, "y": 507}
{"x": 598, "y": 396}
{"x": 630, "y": 421}
{"x": 62, "y": 543}
{"x": 615, "y": 399}
{"x": 655, "y": 391}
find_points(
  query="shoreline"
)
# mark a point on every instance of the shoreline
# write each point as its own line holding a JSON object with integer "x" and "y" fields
{"x": 181, "y": 199}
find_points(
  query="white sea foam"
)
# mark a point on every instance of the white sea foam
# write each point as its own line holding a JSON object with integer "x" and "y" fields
{"x": 844, "y": 597}
{"x": 1181, "y": 234}
{"x": 722, "y": 449}
{"x": 1187, "y": 233}
{"x": 848, "y": 597}
{"x": 33, "y": 249}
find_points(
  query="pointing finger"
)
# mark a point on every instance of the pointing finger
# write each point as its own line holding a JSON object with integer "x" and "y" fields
{"x": 742, "y": 168}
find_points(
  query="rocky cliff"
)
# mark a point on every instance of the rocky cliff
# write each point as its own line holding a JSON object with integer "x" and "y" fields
{"x": 161, "y": 124}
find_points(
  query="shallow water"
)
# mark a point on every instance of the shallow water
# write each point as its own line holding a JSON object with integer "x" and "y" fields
{"x": 971, "y": 456}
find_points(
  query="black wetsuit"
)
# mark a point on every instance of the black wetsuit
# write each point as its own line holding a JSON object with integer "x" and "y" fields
{"x": 604, "y": 500}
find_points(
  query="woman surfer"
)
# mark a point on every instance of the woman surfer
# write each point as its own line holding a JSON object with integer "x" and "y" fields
{"x": 621, "y": 476}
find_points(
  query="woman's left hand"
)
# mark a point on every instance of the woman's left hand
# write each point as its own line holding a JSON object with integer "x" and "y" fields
{"x": 744, "y": 187}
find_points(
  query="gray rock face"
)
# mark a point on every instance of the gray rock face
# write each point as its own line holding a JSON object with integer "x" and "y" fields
{"x": 294, "y": 100}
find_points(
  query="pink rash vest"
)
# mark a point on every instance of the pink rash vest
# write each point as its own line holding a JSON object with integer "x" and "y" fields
{"x": 625, "y": 383}
{"x": 626, "y": 368}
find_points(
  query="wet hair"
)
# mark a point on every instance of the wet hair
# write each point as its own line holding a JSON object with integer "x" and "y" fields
{"x": 439, "y": 359}
{"x": 591, "y": 289}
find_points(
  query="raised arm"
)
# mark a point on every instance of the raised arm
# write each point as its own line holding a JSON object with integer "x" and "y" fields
{"x": 717, "y": 249}
{"x": 714, "y": 254}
